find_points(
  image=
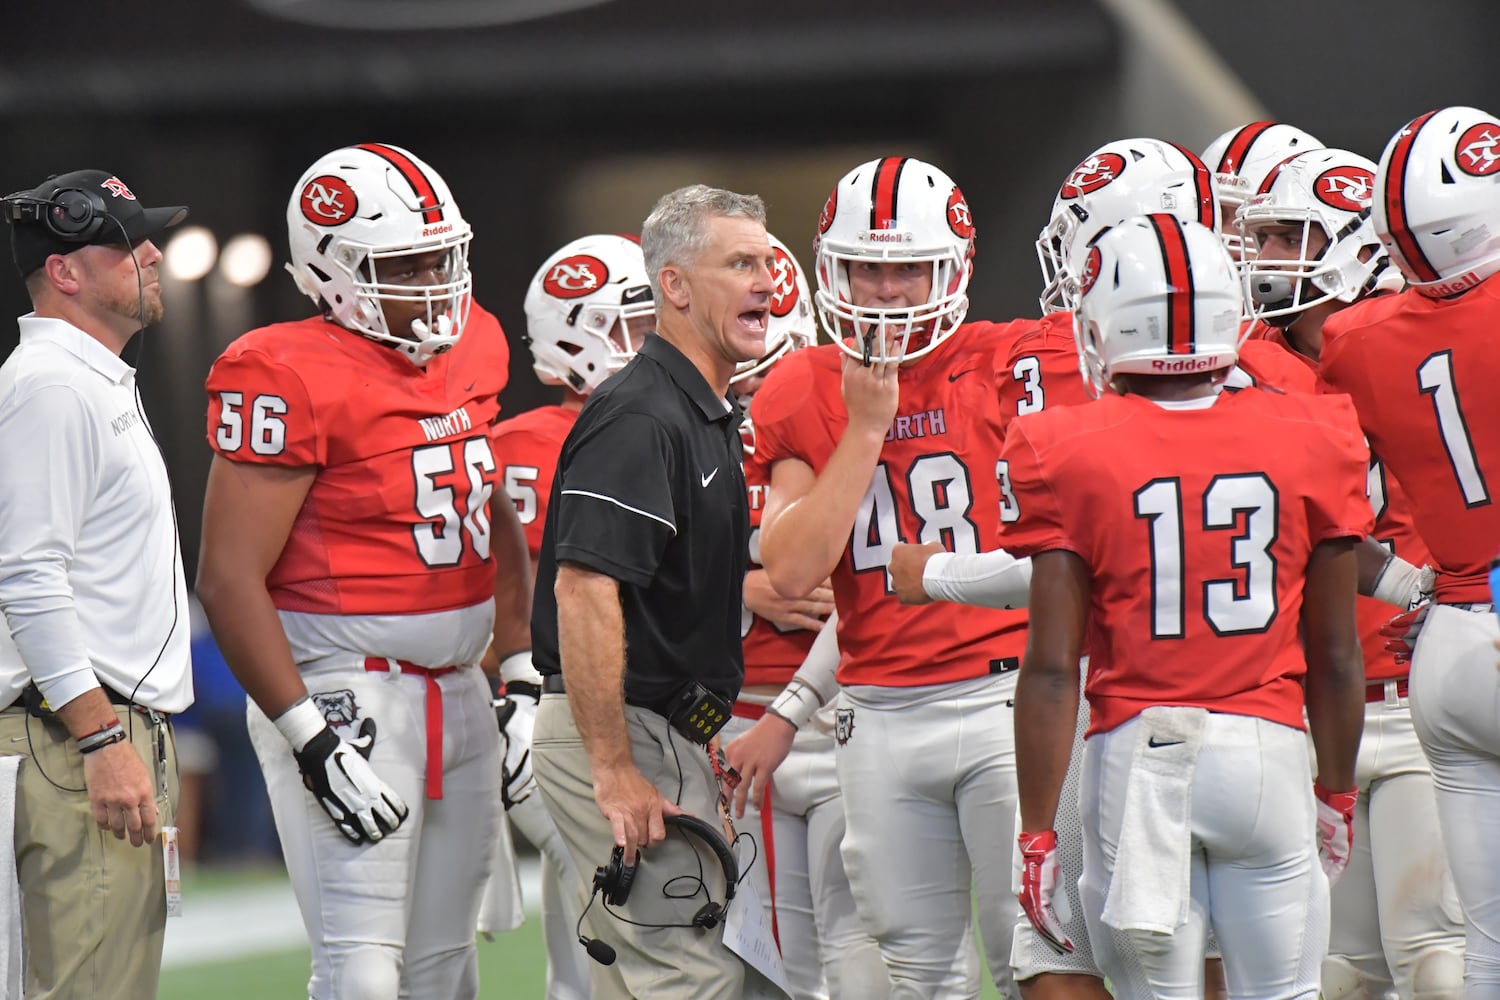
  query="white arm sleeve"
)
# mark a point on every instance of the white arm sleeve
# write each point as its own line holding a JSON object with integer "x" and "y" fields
{"x": 813, "y": 686}
{"x": 988, "y": 579}
{"x": 50, "y": 455}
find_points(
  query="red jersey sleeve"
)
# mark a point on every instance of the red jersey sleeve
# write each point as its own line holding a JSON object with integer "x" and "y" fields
{"x": 1338, "y": 506}
{"x": 1031, "y": 513}
{"x": 260, "y": 411}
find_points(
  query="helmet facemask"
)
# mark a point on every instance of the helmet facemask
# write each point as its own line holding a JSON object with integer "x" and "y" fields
{"x": 876, "y": 334}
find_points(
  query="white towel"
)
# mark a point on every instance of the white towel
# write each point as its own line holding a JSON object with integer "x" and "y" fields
{"x": 501, "y": 909}
{"x": 1151, "y": 884}
{"x": 10, "y": 889}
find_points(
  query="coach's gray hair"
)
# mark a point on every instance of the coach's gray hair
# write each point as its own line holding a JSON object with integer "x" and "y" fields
{"x": 676, "y": 231}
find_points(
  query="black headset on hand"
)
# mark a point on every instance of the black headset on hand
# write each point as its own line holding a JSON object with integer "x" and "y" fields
{"x": 74, "y": 215}
{"x": 615, "y": 879}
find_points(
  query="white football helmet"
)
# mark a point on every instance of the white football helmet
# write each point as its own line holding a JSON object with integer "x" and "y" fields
{"x": 895, "y": 209}
{"x": 1324, "y": 191}
{"x": 368, "y": 203}
{"x": 1158, "y": 296}
{"x": 790, "y": 326}
{"x": 577, "y": 310}
{"x": 1242, "y": 157}
{"x": 1121, "y": 179}
{"x": 1437, "y": 200}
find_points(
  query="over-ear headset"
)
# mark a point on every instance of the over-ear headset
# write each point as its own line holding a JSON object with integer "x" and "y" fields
{"x": 74, "y": 215}
{"x": 614, "y": 880}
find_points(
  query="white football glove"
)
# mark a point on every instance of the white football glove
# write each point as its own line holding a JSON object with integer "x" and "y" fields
{"x": 338, "y": 773}
{"x": 516, "y": 714}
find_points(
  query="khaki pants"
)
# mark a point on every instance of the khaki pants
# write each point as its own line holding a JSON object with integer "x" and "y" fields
{"x": 94, "y": 908}
{"x": 659, "y": 963}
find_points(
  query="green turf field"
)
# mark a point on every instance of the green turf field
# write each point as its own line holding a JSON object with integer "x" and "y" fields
{"x": 513, "y": 966}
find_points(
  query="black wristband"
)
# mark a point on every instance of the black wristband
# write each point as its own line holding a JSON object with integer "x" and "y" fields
{"x": 108, "y": 736}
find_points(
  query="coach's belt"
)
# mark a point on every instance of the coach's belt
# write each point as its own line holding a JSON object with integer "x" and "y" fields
{"x": 694, "y": 711}
{"x": 1386, "y": 691}
{"x": 31, "y": 699}
{"x": 1478, "y": 607}
{"x": 382, "y": 665}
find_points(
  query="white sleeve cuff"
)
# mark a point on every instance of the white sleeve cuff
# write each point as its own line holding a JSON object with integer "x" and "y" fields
{"x": 60, "y": 689}
{"x": 987, "y": 579}
{"x": 814, "y": 683}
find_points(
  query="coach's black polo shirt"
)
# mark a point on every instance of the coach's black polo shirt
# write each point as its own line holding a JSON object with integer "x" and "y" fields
{"x": 649, "y": 490}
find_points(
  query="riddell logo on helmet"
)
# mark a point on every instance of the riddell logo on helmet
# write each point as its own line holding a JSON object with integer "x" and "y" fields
{"x": 1450, "y": 286}
{"x": 1182, "y": 365}
{"x": 884, "y": 236}
{"x": 438, "y": 230}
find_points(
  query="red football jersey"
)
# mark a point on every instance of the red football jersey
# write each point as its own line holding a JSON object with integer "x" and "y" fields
{"x": 935, "y": 482}
{"x": 1196, "y": 525}
{"x": 1422, "y": 373}
{"x": 396, "y": 520}
{"x": 1272, "y": 364}
{"x": 771, "y": 655}
{"x": 1393, "y": 526}
{"x": 527, "y": 447}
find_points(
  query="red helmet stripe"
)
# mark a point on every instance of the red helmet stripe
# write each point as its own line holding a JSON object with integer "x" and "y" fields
{"x": 1203, "y": 187}
{"x": 883, "y": 199}
{"x": 1239, "y": 147}
{"x": 1395, "y": 201}
{"x": 1181, "y": 336}
{"x": 1265, "y": 185}
{"x": 426, "y": 194}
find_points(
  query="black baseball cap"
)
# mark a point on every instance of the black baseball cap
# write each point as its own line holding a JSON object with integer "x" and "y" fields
{"x": 32, "y": 240}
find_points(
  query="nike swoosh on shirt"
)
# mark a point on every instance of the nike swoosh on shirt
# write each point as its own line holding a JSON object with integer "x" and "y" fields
{"x": 958, "y": 375}
{"x": 710, "y": 477}
{"x": 470, "y": 387}
{"x": 1152, "y": 742}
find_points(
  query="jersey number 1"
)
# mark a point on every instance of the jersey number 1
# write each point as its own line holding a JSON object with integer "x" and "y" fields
{"x": 1435, "y": 378}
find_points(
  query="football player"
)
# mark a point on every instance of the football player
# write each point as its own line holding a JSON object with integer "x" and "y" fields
{"x": 1042, "y": 368}
{"x": 588, "y": 308}
{"x": 1420, "y": 366}
{"x": 891, "y": 433}
{"x": 357, "y": 559}
{"x": 779, "y": 727}
{"x": 1240, "y": 160}
{"x": 1125, "y": 539}
{"x": 1395, "y": 921}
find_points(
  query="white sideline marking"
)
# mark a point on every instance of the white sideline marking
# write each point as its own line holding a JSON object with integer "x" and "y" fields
{"x": 263, "y": 918}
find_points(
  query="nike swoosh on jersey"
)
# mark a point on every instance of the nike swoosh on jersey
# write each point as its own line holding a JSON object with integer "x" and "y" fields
{"x": 710, "y": 477}
{"x": 1152, "y": 742}
{"x": 955, "y": 376}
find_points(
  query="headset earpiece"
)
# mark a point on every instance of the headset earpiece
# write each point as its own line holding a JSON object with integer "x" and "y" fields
{"x": 77, "y": 215}
{"x": 613, "y": 881}
{"x": 73, "y": 215}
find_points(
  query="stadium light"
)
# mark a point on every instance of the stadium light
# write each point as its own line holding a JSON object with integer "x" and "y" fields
{"x": 191, "y": 253}
{"x": 245, "y": 260}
